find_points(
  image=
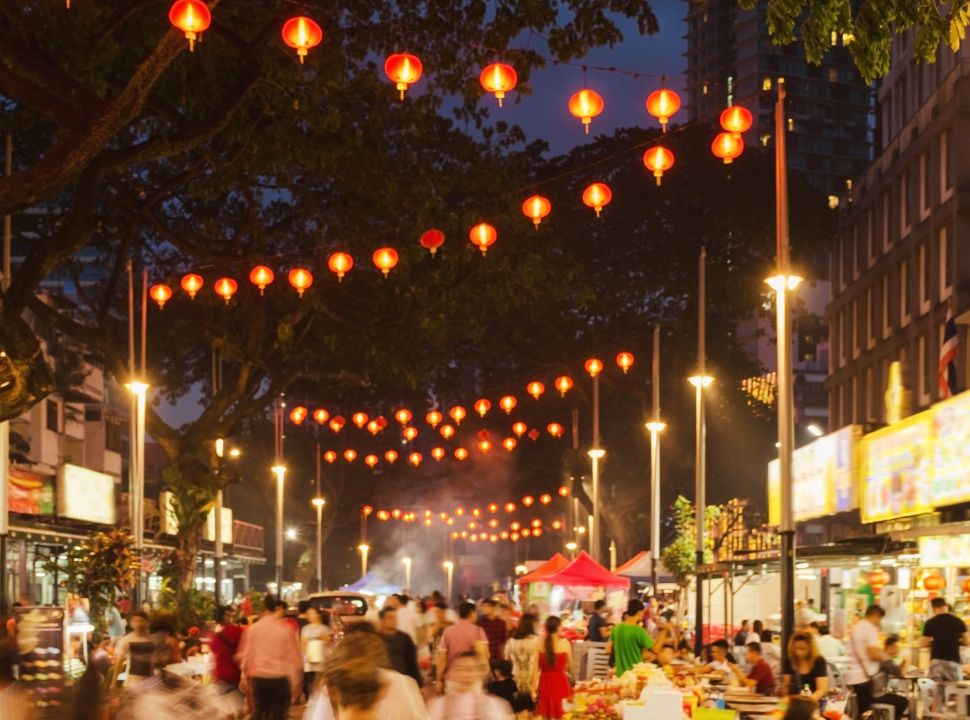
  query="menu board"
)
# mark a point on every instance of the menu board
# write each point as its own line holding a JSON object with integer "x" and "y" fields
{"x": 945, "y": 550}
{"x": 30, "y": 493}
{"x": 40, "y": 665}
{"x": 951, "y": 451}
{"x": 823, "y": 477}
{"x": 898, "y": 469}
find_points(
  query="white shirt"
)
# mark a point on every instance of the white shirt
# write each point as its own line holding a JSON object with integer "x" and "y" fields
{"x": 752, "y": 637}
{"x": 403, "y": 700}
{"x": 829, "y": 647}
{"x": 864, "y": 635}
{"x": 469, "y": 706}
{"x": 407, "y": 622}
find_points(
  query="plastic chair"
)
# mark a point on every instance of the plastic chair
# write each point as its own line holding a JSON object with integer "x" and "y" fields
{"x": 885, "y": 712}
{"x": 928, "y": 699}
{"x": 956, "y": 698}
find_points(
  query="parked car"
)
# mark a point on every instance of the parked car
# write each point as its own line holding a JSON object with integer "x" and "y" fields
{"x": 342, "y": 608}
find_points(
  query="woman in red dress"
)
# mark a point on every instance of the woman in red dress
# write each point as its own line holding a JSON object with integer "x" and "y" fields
{"x": 554, "y": 658}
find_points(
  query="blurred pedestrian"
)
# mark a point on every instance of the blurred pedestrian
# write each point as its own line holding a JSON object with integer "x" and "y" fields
{"x": 353, "y": 683}
{"x": 271, "y": 663}
{"x": 134, "y": 652}
{"x": 13, "y": 701}
{"x": 314, "y": 640}
{"x": 522, "y": 650}
{"x": 460, "y": 639}
{"x": 401, "y": 650}
{"x": 465, "y": 699}
{"x": 224, "y": 644}
{"x": 554, "y": 660}
{"x": 496, "y": 629}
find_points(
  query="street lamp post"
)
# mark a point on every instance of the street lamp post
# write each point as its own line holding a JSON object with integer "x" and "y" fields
{"x": 655, "y": 426}
{"x": 136, "y": 477}
{"x": 449, "y": 567}
{"x": 280, "y": 472}
{"x": 407, "y": 574}
{"x": 364, "y": 551}
{"x": 594, "y": 367}
{"x": 318, "y": 503}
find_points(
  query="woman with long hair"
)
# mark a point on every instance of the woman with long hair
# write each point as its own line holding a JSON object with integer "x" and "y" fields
{"x": 522, "y": 650}
{"x": 353, "y": 680}
{"x": 805, "y": 669}
{"x": 553, "y": 658}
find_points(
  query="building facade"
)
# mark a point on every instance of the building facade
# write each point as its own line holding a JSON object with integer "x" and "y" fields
{"x": 730, "y": 58}
{"x": 902, "y": 256}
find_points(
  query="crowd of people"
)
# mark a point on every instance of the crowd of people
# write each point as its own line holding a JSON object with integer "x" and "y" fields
{"x": 418, "y": 659}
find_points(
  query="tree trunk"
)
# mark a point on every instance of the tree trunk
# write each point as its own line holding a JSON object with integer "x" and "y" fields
{"x": 25, "y": 378}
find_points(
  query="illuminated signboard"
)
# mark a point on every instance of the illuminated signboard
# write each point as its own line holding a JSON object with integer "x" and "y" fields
{"x": 945, "y": 551}
{"x": 897, "y": 467}
{"x": 951, "y": 451}
{"x": 84, "y": 494}
{"x": 823, "y": 477}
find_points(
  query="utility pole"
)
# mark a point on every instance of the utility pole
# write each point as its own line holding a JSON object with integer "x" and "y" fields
{"x": 655, "y": 426}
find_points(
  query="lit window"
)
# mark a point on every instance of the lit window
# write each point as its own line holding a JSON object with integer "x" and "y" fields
{"x": 946, "y": 286}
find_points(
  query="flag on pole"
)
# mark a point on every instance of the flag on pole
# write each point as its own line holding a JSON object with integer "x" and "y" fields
{"x": 948, "y": 355}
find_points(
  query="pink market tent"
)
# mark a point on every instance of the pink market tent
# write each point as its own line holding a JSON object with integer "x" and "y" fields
{"x": 553, "y": 565}
{"x": 584, "y": 575}
{"x": 638, "y": 567}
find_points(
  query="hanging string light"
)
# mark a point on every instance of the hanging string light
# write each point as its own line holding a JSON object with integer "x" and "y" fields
{"x": 403, "y": 69}
{"x": 585, "y": 105}
{"x": 301, "y": 33}
{"x": 498, "y": 79}
{"x": 597, "y": 196}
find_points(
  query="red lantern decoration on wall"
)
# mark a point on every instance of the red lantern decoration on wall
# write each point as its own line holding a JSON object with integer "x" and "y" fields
{"x": 483, "y": 236}
{"x": 736, "y": 120}
{"x": 432, "y": 240}
{"x": 261, "y": 276}
{"x": 385, "y": 259}
{"x": 597, "y": 196}
{"x": 457, "y": 414}
{"x": 191, "y": 17}
{"x": 624, "y": 361}
{"x": 535, "y": 389}
{"x": 594, "y": 367}
{"x": 403, "y": 69}
{"x": 298, "y": 415}
{"x": 564, "y": 384}
{"x": 659, "y": 160}
{"x": 536, "y": 208}
{"x": 321, "y": 416}
{"x": 662, "y": 104}
{"x": 508, "y": 403}
{"x": 191, "y": 284}
{"x": 161, "y": 294}
{"x": 585, "y": 105}
{"x": 482, "y": 407}
{"x": 226, "y": 288}
{"x": 433, "y": 418}
{"x": 340, "y": 264}
{"x": 498, "y": 79}
{"x": 727, "y": 146}
{"x": 301, "y": 33}
{"x": 301, "y": 279}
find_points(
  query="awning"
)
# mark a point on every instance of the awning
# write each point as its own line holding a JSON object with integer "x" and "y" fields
{"x": 553, "y": 565}
{"x": 584, "y": 572}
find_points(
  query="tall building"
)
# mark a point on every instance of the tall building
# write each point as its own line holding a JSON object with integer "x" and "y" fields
{"x": 902, "y": 256}
{"x": 730, "y": 56}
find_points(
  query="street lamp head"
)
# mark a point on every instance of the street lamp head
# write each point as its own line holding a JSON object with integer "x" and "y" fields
{"x": 448, "y": 565}
{"x": 815, "y": 431}
{"x": 571, "y": 546}
{"x": 292, "y": 533}
{"x": 700, "y": 381}
{"x": 235, "y": 453}
{"x": 137, "y": 387}
{"x": 318, "y": 502}
{"x": 363, "y": 547}
{"x": 279, "y": 471}
{"x": 778, "y": 282}
{"x": 597, "y": 453}
{"x": 655, "y": 426}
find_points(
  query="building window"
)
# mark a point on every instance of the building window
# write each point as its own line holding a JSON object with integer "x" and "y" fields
{"x": 856, "y": 329}
{"x": 854, "y": 392}
{"x": 840, "y": 414}
{"x": 871, "y": 319}
{"x": 844, "y": 275}
{"x": 924, "y": 187}
{"x": 905, "y": 214}
{"x": 946, "y": 286}
{"x": 53, "y": 416}
{"x": 856, "y": 265}
{"x": 925, "y": 276}
{"x": 885, "y": 221}
{"x": 904, "y": 312}
{"x": 885, "y": 306}
{"x": 870, "y": 397}
{"x": 842, "y": 342}
{"x": 112, "y": 435}
{"x": 923, "y": 362}
{"x": 870, "y": 236}
{"x": 946, "y": 174}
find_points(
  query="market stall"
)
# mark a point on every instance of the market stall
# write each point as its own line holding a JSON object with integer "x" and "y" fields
{"x": 534, "y": 590}
{"x": 586, "y": 579}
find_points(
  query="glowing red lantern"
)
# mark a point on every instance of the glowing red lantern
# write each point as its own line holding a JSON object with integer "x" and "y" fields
{"x": 563, "y": 491}
{"x": 510, "y": 507}
{"x": 662, "y": 104}
{"x": 509, "y": 443}
{"x": 483, "y": 236}
{"x": 537, "y": 523}
{"x": 536, "y": 208}
{"x": 302, "y": 33}
{"x": 403, "y": 69}
{"x": 161, "y": 294}
{"x": 301, "y": 279}
{"x": 557, "y": 524}
{"x": 508, "y": 403}
{"x": 457, "y": 414}
{"x": 381, "y": 422}
{"x": 493, "y": 508}
{"x": 736, "y": 120}
{"x": 555, "y": 429}
{"x": 226, "y": 288}
{"x": 192, "y": 283}
{"x": 528, "y": 500}
{"x": 403, "y": 416}
{"x": 437, "y": 453}
{"x": 350, "y": 455}
{"x": 321, "y": 416}
{"x": 564, "y": 384}
{"x": 385, "y": 259}
{"x": 366, "y": 510}
{"x": 585, "y": 105}
{"x": 340, "y": 264}
{"x": 461, "y": 454}
{"x": 658, "y": 159}
{"x": 594, "y": 367}
{"x": 337, "y": 423}
{"x": 519, "y": 428}
{"x": 373, "y": 427}
{"x": 298, "y": 415}
{"x": 415, "y": 458}
{"x": 409, "y": 433}
{"x": 359, "y": 419}
{"x": 625, "y": 361}
{"x": 433, "y": 418}
{"x": 877, "y": 580}
{"x": 371, "y": 460}
{"x": 191, "y": 17}
{"x": 727, "y": 147}
{"x": 447, "y": 432}
{"x": 432, "y": 240}
{"x": 330, "y": 456}
{"x": 261, "y": 276}
{"x": 533, "y": 434}
{"x": 482, "y": 407}
{"x": 484, "y": 445}
{"x": 396, "y": 514}
{"x": 493, "y": 523}
{"x": 597, "y": 196}
{"x": 545, "y": 498}
{"x": 383, "y": 515}
{"x": 535, "y": 389}
{"x": 499, "y": 78}
{"x": 391, "y": 456}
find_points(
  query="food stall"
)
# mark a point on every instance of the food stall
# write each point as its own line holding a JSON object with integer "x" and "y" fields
{"x": 533, "y": 588}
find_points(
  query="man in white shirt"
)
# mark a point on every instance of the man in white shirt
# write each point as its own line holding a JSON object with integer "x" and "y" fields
{"x": 865, "y": 654}
{"x": 407, "y": 618}
{"x": 828, "y": 646}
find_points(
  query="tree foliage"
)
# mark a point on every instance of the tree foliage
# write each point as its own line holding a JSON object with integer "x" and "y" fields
{"x": 101, "y": 568}
{"x": 872, "y": 25}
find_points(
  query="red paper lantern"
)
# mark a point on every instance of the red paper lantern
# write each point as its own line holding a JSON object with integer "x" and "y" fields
{"x": 536, "y": 208}
{"x": 373, "y": 427}
{"x": 736, "y": 120}
{"x": 727, "y": 146}
{"x": 433, "y": 418}
{"x": 508, "y": 403}
{"x": 330, "y": 456}
{"x": 662, "y": 104}
{"x": 457, "y": 414}
{"x": 528, "y": 500}
{"x": 415, "y": 458}
{"x": 499, "y": 78}
{"x": 366, "y": 510}
{"x": 191, "y": 284}
{"x": 161, "y": 294}
{"x": 658, "y": 159}
{"x": 432, "y": 240}
{"x": 519, "y": 428}
{"x": 597, "y": 196}
{"x": 391, "y": 456}
{"x": 403, "y": 416}
{"x": 226, "y": 288}
{"x": 437, "y": 453}
{"x": 403, "y": 69}
{"x": 535, "y": 389}
{"x": 509, "y": 443}
{"x": 533, "y": 434}
{"x": 321, "y": 416}
{"x": 359, "y": 419}
{"x": 563, "y": 491}
{"x": 585, "y": 105}
{"x": 302, "y": 33}
{"x": 409, "y": 433}
{"x": 483, "y": 236}
{"x": 340, "y": 264}
{"x": 337, "y": 423}
{"x": 371, "y": 460}
{"x": 877, "y": 580}
{"x": 484, "y": 445}
{"x": 261, "y": 276}
{"x": 564, "y": 384}
{"x": 545, "y": 498}
{"x": 301, "y": 279}
{"x": 298, "y": 415}
{"x": 510, "y": 507}
{"x": 191, "y": 17}
{"x": 461, "y": 454}
{"x": 447, "y": 432}
{"x": 482, "y": 407}
{"x": 625, "y": 361}
{"x": 594, "y": 367}
{"x": 385, "y": 259}
{"x": 555, "y": 429}
{"x": 350, "y": 455}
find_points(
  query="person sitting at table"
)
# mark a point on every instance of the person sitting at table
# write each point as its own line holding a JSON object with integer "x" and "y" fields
{"x": 719, "y": 663}
{"x": 684, "y": 653}
{"x": 760, "y": 677}
{"x": 665, "y": 656}
{"x": 894, "y": 666}
{"x": 805, "y": 669}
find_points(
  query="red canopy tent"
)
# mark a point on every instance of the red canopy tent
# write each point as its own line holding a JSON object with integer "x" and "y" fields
{"x": 583, "y": 573}
{"x": 553, "y": 565}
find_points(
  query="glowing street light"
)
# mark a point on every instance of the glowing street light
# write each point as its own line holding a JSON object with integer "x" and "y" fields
{"x": 292, "y": 533}
{"x": 318, "y": 502}
{"x": 280, "y": 472}
{"x": 449, "y": 567}
{"x": 364, "y": 550}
